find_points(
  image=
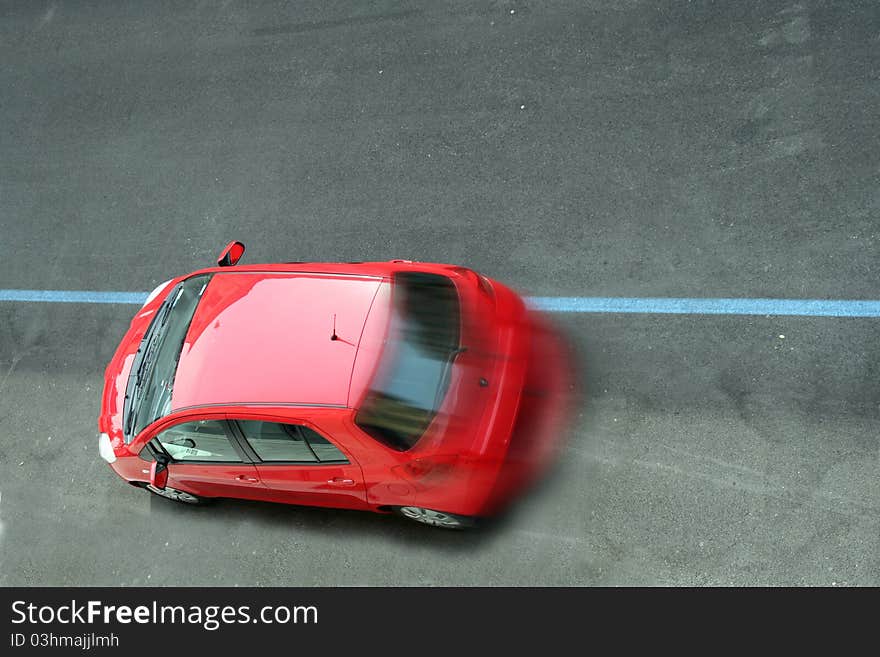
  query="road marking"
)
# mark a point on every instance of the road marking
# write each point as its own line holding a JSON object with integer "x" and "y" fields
{"x": 646, "y": 305}
{"x": 684, "y": 306}
{"x": 73, "y": 296}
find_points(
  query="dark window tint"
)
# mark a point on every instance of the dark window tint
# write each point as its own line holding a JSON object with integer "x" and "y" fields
{"x": 288, "y": 442}
{"x": 150, "y": 450}
{"x": 202, "y": 440}
{"x": 276, "y": 442}
{"x": 323, "y": 448}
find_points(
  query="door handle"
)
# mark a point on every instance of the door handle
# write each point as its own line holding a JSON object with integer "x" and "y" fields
{"x": 247, "y": 479}
{"x": 340, "y": 481}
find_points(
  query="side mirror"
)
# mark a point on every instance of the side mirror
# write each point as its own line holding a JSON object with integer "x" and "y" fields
{"x": 158, "y": 474}
{"x": 231, "y": 254}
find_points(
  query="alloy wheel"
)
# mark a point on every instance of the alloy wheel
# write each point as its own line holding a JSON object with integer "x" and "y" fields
{"x": 431, "y": 517}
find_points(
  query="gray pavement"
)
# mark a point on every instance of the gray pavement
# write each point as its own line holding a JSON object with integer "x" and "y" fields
{"x": 618, "y": 148}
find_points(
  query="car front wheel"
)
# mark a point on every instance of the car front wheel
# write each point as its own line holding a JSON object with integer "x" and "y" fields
{"x": 435, "y": 518}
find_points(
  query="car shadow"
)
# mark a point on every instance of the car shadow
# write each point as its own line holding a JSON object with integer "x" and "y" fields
{"x": 333, "y": 522}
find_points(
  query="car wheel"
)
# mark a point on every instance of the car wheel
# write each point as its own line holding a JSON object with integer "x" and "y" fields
{"x": 435, "y": 518}
{"x": 176, "y": 495}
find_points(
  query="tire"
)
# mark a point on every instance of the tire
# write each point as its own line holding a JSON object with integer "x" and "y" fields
{"x": 177, "y": 495}
{"x": 435, "y": 518}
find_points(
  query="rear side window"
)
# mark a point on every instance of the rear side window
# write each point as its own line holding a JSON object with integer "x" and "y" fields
{"x": 414, "y": 370}
{"x": 276, "y": 442}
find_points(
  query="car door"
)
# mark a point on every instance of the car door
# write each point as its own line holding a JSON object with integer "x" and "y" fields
{"x": 207, "y": 460}
{"x": 300, "y": 465}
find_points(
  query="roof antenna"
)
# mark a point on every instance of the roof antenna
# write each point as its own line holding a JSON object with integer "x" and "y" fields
{"x": 334, "y": 336}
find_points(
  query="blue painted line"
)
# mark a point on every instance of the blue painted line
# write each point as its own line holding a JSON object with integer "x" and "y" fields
{"x": 671, "y": 306}
{"x": 648, "y": 305}
{"x": 73, "y": 296}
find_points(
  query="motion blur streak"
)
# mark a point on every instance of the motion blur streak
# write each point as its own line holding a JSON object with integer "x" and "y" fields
{"x": 542, "y": 423}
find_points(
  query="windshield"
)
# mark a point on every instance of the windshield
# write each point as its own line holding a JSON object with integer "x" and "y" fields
{"x": 148, "y": 395}
{"x": 413, "y": 374}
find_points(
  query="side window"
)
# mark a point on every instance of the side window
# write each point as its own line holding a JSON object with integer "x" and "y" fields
{"x": 323, "y": 448}
{"x": 202, "y": 440}
{"x": 276, "y": 442}
{"x": 146, "y": 454}
{"x": 289, "y": 442}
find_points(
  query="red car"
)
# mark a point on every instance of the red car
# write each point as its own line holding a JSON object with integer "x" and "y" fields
{"x": 422, "y": 389}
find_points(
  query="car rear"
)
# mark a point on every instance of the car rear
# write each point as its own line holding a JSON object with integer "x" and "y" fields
{"x": 460, "y": 461}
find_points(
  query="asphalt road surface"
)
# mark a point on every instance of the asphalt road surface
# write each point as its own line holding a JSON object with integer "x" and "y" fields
{"x": 603, "y": 148}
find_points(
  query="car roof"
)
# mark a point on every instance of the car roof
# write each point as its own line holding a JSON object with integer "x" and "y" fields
{"x": 264, "y": 337}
